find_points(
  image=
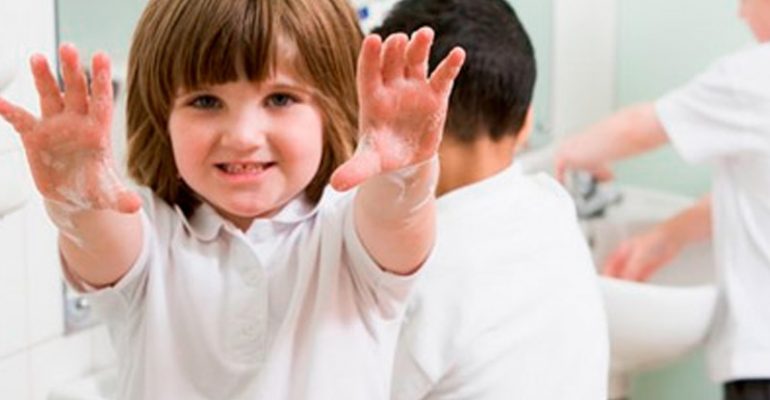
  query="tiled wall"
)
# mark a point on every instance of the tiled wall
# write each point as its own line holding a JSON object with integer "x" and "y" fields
{"x": 35, "y": 355}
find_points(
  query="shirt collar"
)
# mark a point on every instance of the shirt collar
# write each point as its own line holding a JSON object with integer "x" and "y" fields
{"x": 488, "y": 186}
{"x": 205, "y": 223}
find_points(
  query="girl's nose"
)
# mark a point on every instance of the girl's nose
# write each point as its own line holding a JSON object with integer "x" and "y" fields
{"x": 246, "y": 130}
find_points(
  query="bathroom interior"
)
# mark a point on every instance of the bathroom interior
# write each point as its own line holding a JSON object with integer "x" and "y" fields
{"x": 594, "y": 57}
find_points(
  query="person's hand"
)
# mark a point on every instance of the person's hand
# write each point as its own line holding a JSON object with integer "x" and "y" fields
{"x": 68, "y": 147}
{"x": 402, "y": 110}
{"x": 573, "y": 154}
{"x": 639, "y": 257}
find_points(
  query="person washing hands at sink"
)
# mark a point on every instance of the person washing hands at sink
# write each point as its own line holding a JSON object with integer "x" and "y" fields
{"x": 720, "y": 118}
{"x": 237, "y": 276}
{"x": 510, "y": 306}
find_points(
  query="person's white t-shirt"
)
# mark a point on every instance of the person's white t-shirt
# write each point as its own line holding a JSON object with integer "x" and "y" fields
{"x": 510, "y": 306}
{"x": 722, "y": 118}
{"x": 294, "y": 308}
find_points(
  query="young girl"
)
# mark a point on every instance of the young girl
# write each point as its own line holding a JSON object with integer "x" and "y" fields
{"x": 240, "y": 278}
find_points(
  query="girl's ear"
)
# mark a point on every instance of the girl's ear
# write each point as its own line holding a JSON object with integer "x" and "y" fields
{"x": 526, "y": 129}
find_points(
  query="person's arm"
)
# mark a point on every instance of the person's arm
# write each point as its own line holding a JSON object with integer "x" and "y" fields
{"x": 641, "y": 256}
{"x": 402, "y": 114}
{"x": 629, "y": 132}
{"x": 69, "y": 154}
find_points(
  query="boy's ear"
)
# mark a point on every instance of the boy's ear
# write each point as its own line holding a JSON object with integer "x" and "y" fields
{"x": 523, "y": 136}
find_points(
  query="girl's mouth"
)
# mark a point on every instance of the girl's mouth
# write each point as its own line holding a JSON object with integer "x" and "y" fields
{"x": 241, "y": 168}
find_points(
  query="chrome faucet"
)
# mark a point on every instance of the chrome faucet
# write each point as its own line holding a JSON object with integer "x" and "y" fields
{"x": 591, "y": 198}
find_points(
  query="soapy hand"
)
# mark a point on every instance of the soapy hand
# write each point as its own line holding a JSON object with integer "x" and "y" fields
{"x": 639, "y": 257}
{"x": 402, "y": 110}
{"x": 68, "y": 147}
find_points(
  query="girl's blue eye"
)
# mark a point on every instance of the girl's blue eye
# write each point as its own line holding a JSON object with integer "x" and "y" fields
{"x": 281, "y": 100}
{"x": 206, "y": 102}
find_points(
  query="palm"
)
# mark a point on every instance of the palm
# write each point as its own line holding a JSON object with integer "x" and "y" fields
{"x": 402, "y": 110}
{"x": 403, "y": 121}
{"x": 68, "y": 148}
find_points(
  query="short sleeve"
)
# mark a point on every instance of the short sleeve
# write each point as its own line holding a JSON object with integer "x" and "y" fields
{"x": 128, "y": 292}
{"x": 722, "y": 112}
{"x": 387, "y": 291}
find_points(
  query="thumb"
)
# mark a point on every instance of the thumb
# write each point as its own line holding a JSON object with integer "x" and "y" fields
{"x": 363, "y": 165}
{"x": 128, "y": 202}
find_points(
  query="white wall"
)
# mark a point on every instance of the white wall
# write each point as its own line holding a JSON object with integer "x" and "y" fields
{"x": 35, "y": 356}
{"x": 583, "y": 69}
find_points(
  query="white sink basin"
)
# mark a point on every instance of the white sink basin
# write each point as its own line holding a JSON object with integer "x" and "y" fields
{"x": 101, "y": 385}
{"x": 655, "y": 322}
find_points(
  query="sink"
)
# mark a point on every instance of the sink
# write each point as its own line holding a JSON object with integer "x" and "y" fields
{"x": 100, "y": 385}
{"x": 658, "y": 321}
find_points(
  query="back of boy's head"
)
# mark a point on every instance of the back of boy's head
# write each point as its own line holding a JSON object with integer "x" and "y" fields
{"x": 188, "y": 44}
{"x": 493, "y": 92}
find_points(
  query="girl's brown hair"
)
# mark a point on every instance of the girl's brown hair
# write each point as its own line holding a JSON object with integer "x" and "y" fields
{"x": 192, "y": 43}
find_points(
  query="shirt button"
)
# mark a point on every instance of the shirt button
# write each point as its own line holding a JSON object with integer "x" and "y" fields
{"x": 249, "y": 330}
{"x": 252, "y": 277}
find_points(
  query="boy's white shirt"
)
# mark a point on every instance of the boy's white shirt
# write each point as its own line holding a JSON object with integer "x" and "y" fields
{"x": 294, "y": 308}
{"x": 509, "y": 307}
{"x": 722, "y": 118}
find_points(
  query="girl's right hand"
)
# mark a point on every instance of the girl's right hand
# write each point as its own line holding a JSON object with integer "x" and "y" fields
{"x": 68, "y": 148}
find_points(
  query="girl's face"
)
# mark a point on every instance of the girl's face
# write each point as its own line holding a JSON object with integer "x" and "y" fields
{"x": 756, "y": 13}
{"x": 248, "y": 148}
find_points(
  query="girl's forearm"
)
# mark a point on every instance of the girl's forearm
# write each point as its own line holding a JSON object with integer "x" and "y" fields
{"x": 395, "y": 216}
{"x": 97, "y": 246}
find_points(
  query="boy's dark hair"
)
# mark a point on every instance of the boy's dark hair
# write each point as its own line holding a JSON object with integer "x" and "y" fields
{"x": 494, "y": 89}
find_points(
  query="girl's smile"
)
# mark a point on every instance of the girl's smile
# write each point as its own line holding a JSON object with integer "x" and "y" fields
{"x": 248, "y": 148}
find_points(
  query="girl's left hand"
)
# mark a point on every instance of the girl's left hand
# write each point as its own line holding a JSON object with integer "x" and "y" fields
{"x": 402, "y": 109}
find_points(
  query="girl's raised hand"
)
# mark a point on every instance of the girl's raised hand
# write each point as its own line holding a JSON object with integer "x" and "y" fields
{"x": 68, "y": 147}
{"x": 402, "y": 109}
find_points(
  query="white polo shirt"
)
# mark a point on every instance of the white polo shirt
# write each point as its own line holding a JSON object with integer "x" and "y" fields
{"x": 294, "y": 308}
{"x": 509, "y": 307}
{"x": 722, "y": 118}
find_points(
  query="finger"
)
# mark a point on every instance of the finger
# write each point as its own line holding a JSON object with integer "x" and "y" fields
{"x": 393, "y": 59}
{"x": 446, "y": 72}
{"x": 101, "y": 88}
{"x": 615, "y": 264}
{"x": 639, "y": 269}
{"x": 603, "y": 173}
{"x": 22, "y": 121}
{"x": 75, "y": 86}
{"x": 418, "y": 53}
{"x": 369, "y": 77}
{"x": 363, "y": 165}
{"x": 51, "y": 101}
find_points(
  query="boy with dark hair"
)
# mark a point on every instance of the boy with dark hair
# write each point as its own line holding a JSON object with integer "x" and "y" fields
{"x": 513, "y": 310}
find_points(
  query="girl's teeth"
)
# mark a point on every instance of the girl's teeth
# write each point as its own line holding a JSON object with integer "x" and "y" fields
{"x": 241, "y": 168}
